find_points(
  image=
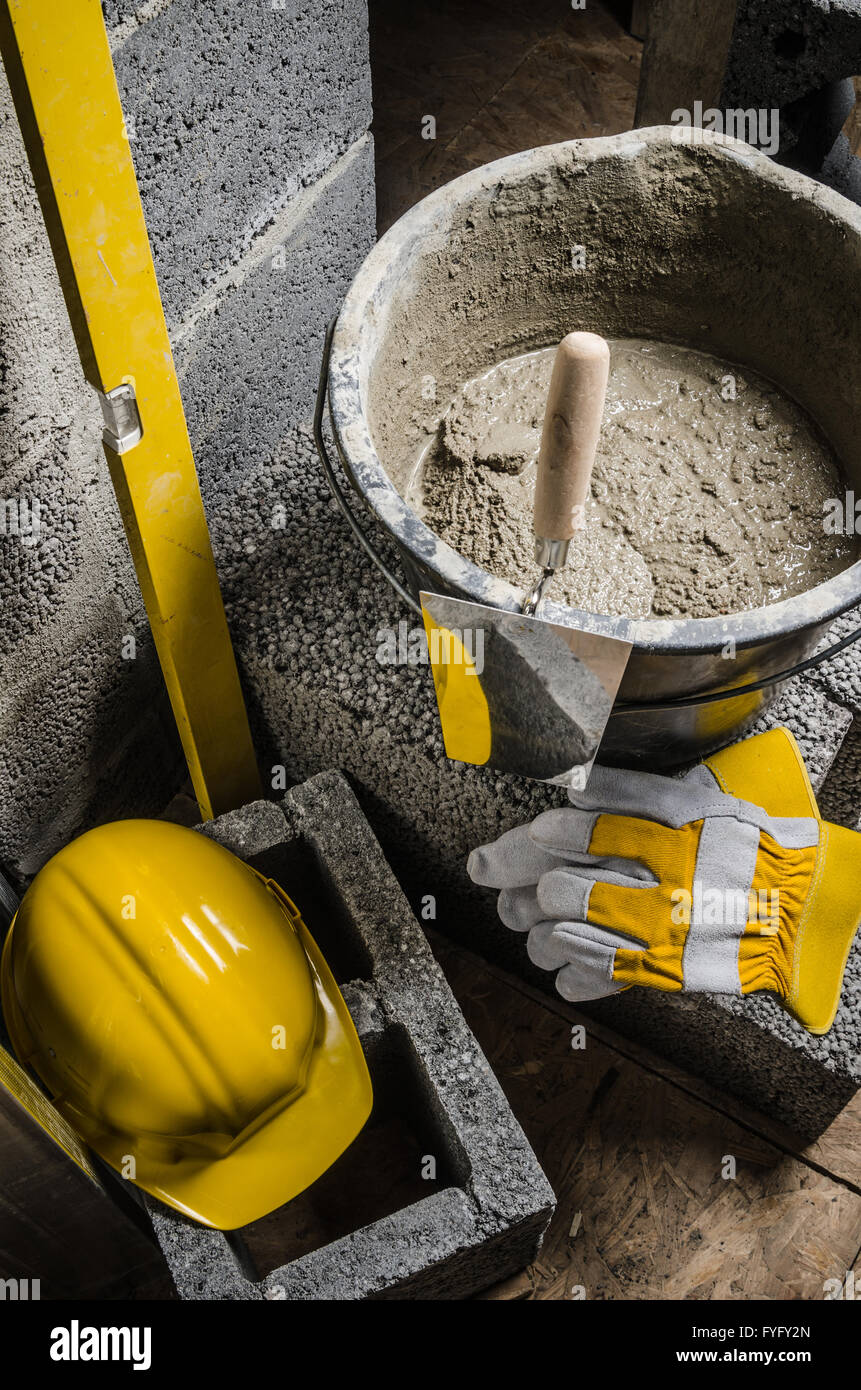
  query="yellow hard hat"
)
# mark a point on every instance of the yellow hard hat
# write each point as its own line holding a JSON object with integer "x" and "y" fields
{"x": 181, "y": 1016}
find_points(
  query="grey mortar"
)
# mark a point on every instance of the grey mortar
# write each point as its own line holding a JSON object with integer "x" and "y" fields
{"x": 490, "y": 1220}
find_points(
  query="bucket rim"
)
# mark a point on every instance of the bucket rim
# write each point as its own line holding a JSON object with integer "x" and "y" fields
{"x": 363, "y": 313}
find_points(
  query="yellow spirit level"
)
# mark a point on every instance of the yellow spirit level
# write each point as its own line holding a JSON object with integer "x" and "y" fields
{"x": 62, "y": 78}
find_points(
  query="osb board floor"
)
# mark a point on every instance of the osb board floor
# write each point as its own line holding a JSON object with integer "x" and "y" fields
{"x": 636, "y": 1153}
{"x": 496, "y": 76}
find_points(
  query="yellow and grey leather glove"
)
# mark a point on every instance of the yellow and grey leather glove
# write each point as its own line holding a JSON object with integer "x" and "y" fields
{"x": 683, "y": 884}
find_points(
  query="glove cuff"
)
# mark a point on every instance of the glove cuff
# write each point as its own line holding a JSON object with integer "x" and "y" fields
{"x": 826, "y": 930}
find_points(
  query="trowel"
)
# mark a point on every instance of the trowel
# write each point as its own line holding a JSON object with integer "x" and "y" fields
{"x": 514, "y": 691}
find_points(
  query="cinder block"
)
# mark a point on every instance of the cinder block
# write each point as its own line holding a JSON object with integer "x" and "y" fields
{"x": 233, "y": 109}
{"x": 309, "y": 614}
{"x": 484, "y": 1215}
{"x": 840, "y": 677}
{"x": 249, "y": 366}
{"x": 819, "y": 723}
{"x": 91, "y": 741}
{"x": 783, "y": 49}
{"x": 840, "y": 798}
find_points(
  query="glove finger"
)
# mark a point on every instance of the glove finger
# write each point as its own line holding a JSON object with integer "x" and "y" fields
{"x": 518, "y": 908}
{"x": 591, "y": 979}
{"x": 512, "y": 861}
{"x": 563, "y": 833}
{"x": 554, "y": 944}
{"x": 584, "y": 964}
{"x": 564, "y": 893}
{"x": 567, "y": 834}
{"x": 671, "y": 801}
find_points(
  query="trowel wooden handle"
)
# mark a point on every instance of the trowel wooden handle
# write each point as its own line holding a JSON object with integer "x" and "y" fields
{"x": 572, "y": 424}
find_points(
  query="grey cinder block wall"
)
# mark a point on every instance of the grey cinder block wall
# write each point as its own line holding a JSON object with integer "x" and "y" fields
{"x": 249, "y": 129}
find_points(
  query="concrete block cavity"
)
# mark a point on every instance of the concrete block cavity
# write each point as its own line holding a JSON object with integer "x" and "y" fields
{"x": 233, "y": 110}
{"x": 482, "y": 1215}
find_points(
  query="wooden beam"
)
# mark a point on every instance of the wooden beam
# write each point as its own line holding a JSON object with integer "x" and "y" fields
{"x": 639, "y": 25}
{"x": 685, "y": 57}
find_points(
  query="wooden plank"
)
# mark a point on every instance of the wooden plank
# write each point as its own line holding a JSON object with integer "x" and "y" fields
{"x": 638, "y": 1161}
{"x": 684, "y": 58}
{"x": 58, "y": 1224}
{"x": 837, "y": 1152}
{"x": 639, "y": 25}
{"x": 852, "y": 128}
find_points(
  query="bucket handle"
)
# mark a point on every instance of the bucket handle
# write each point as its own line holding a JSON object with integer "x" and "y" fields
{"x": 625, "y": 707}
{"x": 337, "y": 492}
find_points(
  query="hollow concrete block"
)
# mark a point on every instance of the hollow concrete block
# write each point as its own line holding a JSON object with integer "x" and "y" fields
{"x": 783, "y": 49}
{"x": 486, "y": 1219}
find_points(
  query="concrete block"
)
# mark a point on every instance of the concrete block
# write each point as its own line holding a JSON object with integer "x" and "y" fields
{"x": 311, "y": 614}
{"x": 840, "y": 798}
{"x": 233, "y": 109}
{"x": 784, "y": 49}
{"x": 249, "y": 357}
{"x": 484, "y": 1215}
{"x": 840, "y": 677}
{"x": 819, "y": 723}
{"x": 91, "y": 741}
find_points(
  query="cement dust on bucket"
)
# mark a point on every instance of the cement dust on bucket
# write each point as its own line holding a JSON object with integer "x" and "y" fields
{"x": 514, "y": 691}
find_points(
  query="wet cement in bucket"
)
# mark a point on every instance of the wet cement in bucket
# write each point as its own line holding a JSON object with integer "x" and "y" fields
{"x": 707, "y": 497}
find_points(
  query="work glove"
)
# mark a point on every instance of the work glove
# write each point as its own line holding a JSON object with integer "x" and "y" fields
{"x": 683, "y": 884}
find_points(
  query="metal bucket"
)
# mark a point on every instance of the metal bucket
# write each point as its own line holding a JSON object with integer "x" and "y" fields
{"x": 689, "y": 238}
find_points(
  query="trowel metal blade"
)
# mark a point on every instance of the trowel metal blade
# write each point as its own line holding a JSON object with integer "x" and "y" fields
{"x": 518, "y": 693}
